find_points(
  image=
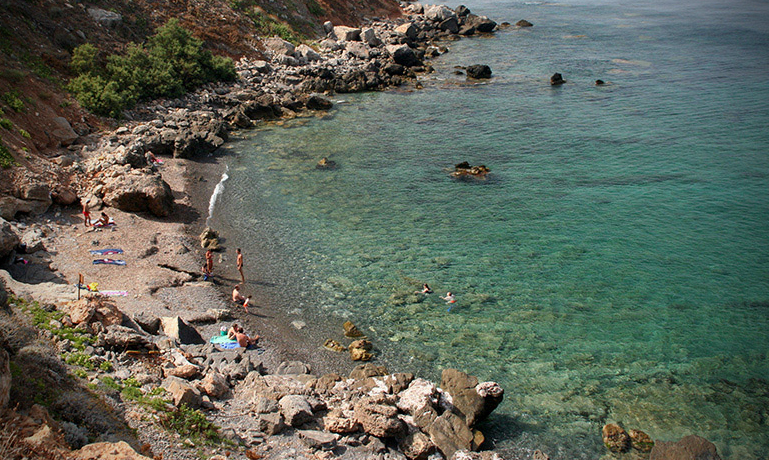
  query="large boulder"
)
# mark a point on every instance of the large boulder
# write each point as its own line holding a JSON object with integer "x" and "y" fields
{"x": 215, "y": 385}
{"x": 403, "y": 55}
{"x": 307, "y": 53}
{"x": 62, "y": 131}
{"x": 8, "y": 238}
{"x": 279, "y": 46}
{"x": 640, "y": 440}
{"x": 104, "y": 18}
{"x": 198, "y": 141}
{"x": 64, "y": 196}
{"x": 419, "y": 394}
{"x": 345, "y": 33}
{"x": 175, "y": 327}
{"x": 296, "y": 410}
{"x": 122, "y": 338}
{"x": 369, "y": 37}
{"x": 474, "y": 401}
{"x": 182, "y": 392}
{"x": 439, "y": 13}
{"x": 416, "y": 446}
{"x": 93, "y": 308}
{"x": 120, "y": 450}
{"x": 32, "y": 198}
{"x": 378, "y": 417}
{"x": 450, "y": 433}
{"x": 407, "y": 29}
{"x": 691, "y": 447}
{"x": 480, "y": 23}
{"x": 479, "y": 71}
{"x": 137, "y": 191}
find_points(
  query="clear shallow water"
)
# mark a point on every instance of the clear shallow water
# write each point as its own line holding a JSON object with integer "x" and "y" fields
{"x": 614, "y": 266}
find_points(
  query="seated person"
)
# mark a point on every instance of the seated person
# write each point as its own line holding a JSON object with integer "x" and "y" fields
{"x": 425, "y": 290}
{"x": 237, "y": 296}
{"x": 103, "y": 220}
{"x": 206, "y": 273}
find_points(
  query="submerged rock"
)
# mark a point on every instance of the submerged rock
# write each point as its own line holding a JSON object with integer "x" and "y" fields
{"x": 688, "y": 448}
{"x": 557, "y": 79}
{"x": 640, "y": 440}
{"x": 523, "y": 23}
{"x": 479, "y": 71}
{"x": 350, "y": 330}
{"x": 615, "y": 438}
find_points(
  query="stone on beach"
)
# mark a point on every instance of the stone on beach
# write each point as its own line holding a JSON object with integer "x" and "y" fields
{"x": 176, "y": 328}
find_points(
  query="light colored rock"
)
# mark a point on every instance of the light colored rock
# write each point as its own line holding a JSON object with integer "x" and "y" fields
{"x": 186, "y": 372}
{"x": 408, "y": 29}
{"x": 105, "y": 18}
{"x": 182, "y": 392}
{"x": 62, "y": 130}
{"x": 358, "y": 49}
{"x": 120, "y": 450}
{"x": 449, "y": 433}
{"x": 42, "y": 292}
{"x": 215, "y": 385}
{"x": 377, "y": 416}
{"x": 295, "y": 409}
{"x": 419, "y": 394}
{"x": 279, "y": 46}
{"x": 176, "y": 328}
{"x": 368, "y": 36}
{"x": 439, "y": 13}
{"x": 270, "y": 423}
{"x": 318, "y": 440}
{"x": 347, "y": 34}
{"x": 416, "y": 446}
{"x": 137, "y": 191}
{"x": 339, "y": 421}
{"x": 307, "y": 53}
{"x": 47, "y": 440}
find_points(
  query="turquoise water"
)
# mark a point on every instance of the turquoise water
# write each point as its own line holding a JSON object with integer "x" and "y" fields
{"x": 614, "y": 266}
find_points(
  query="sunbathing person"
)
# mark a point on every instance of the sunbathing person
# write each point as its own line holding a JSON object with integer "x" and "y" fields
{"x": 103, "y": 220}
{"x": 237, "y": 333}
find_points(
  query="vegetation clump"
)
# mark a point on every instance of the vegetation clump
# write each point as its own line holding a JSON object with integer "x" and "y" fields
{"x": 171, "y": 63}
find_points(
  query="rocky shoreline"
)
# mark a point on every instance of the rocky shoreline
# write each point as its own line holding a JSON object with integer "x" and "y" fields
{"x": 252, "y": 395}
{"x": 267, "y": 406}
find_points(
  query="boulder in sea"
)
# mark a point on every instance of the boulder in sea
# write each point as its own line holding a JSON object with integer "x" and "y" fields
{"x": 333, "y": 345}
{"x": 464, "y": 169}
{"x": 316, "y": 102}
{"x": 691, "y": 447}
{"x": 599, "y": 82}
{"x": 557, "y": 79}
{"x": 325, "y": 163}
{"x": 615, "y": 438}
{"x": 640, "y": 440}
{"x": 479, "y": 71}
{"x": 523, "y": 23}
{"x": 350, "y": 330}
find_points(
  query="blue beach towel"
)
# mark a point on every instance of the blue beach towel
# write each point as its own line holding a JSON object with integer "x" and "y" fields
{"x": 104, "y": 252}
{"x": 108, "y": 262}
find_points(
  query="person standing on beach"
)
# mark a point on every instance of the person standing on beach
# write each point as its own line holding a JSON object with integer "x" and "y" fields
{"x": 210, "y": 261}
{"x": 240, "y": 265}
{"x": 86, "y": 214}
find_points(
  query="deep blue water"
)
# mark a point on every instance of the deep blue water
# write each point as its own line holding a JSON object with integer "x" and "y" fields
{"x": 614, "y": 267}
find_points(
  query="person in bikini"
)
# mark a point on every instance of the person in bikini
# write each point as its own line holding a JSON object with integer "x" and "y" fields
{"x": 237, "y": 333}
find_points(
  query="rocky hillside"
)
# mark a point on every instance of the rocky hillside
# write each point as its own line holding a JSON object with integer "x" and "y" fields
{"x": 39, "y": 119}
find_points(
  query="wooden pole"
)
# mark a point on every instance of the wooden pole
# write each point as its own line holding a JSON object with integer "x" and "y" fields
{"x": 79, "y": 283}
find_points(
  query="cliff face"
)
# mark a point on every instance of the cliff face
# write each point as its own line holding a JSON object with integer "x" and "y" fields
{"x": 37, "y": 38}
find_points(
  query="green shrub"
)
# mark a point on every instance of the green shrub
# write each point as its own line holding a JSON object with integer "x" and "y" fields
{"x": 106, "y": 366}
{"x": 131, "y": 393}
{"x": 81, "y": 373}
{"x": 268, "y": 26}
{"x": 13, "y": 100}
{"x": 6, "y": 123}
{"x": 79, "y": 359}
{"x": 314, "y": 8}
{"x": 172, "y": 63}
{"x": 190, "y": 423}
{"x": 6, "y": 157}
{"x": 25, "y": 134}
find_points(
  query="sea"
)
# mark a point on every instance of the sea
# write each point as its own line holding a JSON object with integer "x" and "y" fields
{"x": 613, "y": 267}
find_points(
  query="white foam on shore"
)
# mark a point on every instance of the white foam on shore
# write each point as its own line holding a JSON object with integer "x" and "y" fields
{"x": 217, "y": 192}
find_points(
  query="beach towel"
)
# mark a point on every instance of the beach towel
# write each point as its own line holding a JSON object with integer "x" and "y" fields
{"x": 114, "y": 293}
{"x": 224, "y": 342}
{"x": 104, "y": 252}
{"x": 108, "y": 262}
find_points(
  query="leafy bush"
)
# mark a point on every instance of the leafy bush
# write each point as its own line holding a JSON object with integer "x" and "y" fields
{"x": 268, "y": 26}
{"x": 172, "y": 63}
{"x": 314, "y": 8}
{"x": 6, "y": 123}
{"x": 25, "y": 134}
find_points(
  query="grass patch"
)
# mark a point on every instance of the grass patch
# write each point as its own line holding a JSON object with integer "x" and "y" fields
{"x": 79, "y": 359}
{"x": 42, "y": 319}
